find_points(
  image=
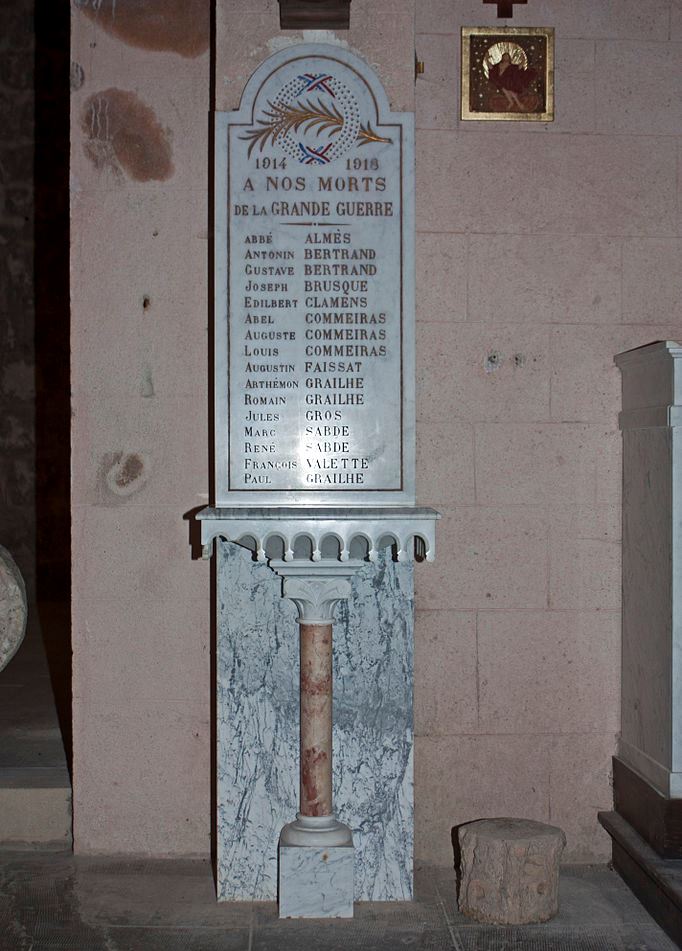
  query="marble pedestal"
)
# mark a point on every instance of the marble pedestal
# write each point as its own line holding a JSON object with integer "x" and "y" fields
{"x": 318, "y": 561}
{"x": 647, "y": 772}
{"x": 316, "y": 882}
{"x": 648, "y": 768}
{"x": 258, "y": 725}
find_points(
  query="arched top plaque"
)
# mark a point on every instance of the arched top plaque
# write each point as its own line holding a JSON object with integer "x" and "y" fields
{"x": 314, "y": 296}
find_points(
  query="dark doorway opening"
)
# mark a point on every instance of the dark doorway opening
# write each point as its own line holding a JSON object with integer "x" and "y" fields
{"x": 52, "y": 349}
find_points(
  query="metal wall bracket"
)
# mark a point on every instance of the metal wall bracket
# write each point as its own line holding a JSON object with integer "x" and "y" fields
{"x": 314, "y": 14}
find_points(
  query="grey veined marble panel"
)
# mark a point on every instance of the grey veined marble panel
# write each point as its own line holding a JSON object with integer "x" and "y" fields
{"x": 258, "y": 725}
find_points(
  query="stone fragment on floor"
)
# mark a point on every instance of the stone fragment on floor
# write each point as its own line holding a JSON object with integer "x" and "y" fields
{"x": 509, "y": 870}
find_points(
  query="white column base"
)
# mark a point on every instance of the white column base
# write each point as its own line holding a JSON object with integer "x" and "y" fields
{"x": 316, "y": 882}
{"x": 322, "y": 831}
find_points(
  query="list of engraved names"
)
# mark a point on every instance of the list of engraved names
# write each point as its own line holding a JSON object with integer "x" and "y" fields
{"x": 314, "y": 340}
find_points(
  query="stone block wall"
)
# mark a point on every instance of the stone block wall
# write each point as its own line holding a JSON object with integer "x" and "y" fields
{"x": 139, "y": 278}
{"x": 543, "y": 250}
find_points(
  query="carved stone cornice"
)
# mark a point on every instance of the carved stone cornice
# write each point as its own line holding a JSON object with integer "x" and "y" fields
{"x": 405, "y": 528}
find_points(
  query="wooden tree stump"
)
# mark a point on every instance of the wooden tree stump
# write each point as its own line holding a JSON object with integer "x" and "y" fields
{"x": 510, "y": 870}
{"x": 13, "y": 608}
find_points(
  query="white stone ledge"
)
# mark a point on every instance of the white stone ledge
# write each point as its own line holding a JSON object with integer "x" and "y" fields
{"x": 407, "y": 528}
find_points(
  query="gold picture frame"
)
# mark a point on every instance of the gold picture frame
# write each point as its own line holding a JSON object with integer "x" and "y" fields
{"x": 507, "y": 73}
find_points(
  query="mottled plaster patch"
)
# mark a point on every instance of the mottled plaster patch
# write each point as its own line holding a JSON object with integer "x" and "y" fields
{"x": 147, "y": 383}
{"x": 492, "y": 361}
{"x": 123, "y": 134}
{"x": 122, "y": 474}
{"x": 76, "y": 77}
{"x": 178, "y": 26}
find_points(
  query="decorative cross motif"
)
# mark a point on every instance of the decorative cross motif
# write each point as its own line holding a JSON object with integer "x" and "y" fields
{"x": 505, "y": 8}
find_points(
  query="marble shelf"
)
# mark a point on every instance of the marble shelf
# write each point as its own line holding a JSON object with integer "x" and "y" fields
{"x": 357, "y": 532}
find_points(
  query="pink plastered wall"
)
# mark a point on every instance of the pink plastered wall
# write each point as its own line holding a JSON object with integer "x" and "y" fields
{"x": 140, "y": 378}
{"x": 542, "y": 250}
{"x": 139, "y": 277}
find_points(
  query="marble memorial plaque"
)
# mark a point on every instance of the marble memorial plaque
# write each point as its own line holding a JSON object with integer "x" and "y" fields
{"x": 314, "y": 333}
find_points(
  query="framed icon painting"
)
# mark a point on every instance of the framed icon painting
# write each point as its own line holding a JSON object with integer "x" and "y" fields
{"x": 508, "y": 73}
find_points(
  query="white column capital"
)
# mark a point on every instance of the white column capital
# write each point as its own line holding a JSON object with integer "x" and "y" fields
{"x": 316, "y": 586}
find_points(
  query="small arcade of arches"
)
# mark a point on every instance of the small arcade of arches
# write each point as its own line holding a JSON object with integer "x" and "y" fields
{"x": 336, "y": 539}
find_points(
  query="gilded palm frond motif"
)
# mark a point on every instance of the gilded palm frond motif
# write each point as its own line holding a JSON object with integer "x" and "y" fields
{"x": 367, "y": 135}
{"x": 282, "y": 118}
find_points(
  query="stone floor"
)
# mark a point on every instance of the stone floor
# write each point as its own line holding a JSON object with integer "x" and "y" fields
{"x": 55, "y": 902}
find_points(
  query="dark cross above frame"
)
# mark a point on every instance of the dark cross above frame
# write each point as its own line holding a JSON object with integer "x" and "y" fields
{"x": 505, "y": 8}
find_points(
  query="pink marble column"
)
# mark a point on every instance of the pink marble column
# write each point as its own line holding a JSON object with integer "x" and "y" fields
{"x": 316, "y": 719}
{"x": 315, "y": 587}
